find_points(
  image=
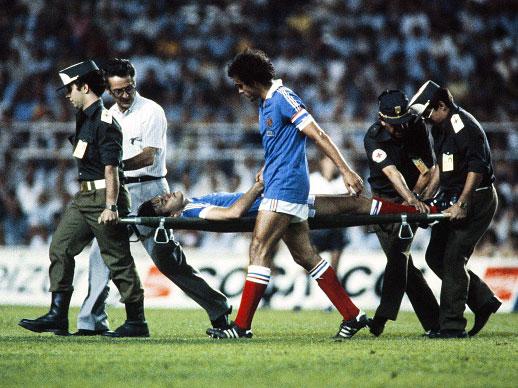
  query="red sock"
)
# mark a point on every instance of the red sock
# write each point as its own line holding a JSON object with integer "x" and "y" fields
{"x": 257, "y": 279}
{"x": 383, "y": 206}
{"x": 326, "y": 278}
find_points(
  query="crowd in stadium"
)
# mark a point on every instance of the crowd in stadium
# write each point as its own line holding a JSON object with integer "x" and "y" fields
{"x": 338, "y": 55}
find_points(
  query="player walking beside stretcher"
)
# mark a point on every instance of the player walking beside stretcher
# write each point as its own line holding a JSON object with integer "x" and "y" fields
{"x": 228, "y": 206}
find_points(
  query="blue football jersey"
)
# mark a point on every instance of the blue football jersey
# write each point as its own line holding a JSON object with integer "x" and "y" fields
{"x": 198, "y": 204}
{"x": 282, "y": 115}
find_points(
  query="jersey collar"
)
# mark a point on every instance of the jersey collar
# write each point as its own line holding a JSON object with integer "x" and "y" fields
{"x": 276, "y": 84}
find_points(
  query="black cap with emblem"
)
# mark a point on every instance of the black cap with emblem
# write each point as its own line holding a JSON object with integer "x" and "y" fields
{"x": 421, "y": 102}
{"x": 393, "y": 107}
{"x": 74, "y": 72}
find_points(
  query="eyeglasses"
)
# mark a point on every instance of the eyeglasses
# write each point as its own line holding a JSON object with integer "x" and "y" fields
{"x": 120, "y": 92}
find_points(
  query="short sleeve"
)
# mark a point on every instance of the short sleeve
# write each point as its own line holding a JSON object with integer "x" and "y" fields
{"x": 376, "y": 153}
{"x": 293, "y": 109}
{"x": 195, "y": 210}
{"x": 109, "y": 138}
{"x": 476, "y": 155}
{"x": 154, "y": 127}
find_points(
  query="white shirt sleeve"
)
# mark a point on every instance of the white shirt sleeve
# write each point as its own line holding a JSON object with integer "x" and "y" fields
{"x": 154, "y": 127}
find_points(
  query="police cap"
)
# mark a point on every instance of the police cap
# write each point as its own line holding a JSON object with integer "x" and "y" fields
{"x": 393, "y": 107}
{"x": 421, "y": 102}
{"x": 74, "y": 72}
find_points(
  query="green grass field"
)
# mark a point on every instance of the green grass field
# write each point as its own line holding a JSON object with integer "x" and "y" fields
{"x": 288, "y": 349}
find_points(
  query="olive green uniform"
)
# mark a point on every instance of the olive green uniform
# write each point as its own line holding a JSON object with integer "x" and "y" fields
{"x": 97, "y": 143}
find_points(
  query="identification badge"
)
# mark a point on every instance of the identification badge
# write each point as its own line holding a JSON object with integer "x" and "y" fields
{"x": 447, "y": 162}
{"x": 456, "y": 123}
{"x": 80, "y": 150}
{"x": 421, "y": 166}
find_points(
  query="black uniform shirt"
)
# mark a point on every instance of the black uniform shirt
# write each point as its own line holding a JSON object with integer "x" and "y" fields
{"x": 411, "y": 155}
{"x": 97, "y": 143}
{"x": 461, "y": 146}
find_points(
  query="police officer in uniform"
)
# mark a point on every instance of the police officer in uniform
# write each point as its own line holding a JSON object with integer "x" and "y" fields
{"x": 400, "y": 162}
{"x": 94, "y": 210}
{"x": 464, "y": 181}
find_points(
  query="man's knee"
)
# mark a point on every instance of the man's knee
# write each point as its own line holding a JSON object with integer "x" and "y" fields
{"x": 167, "y": 257}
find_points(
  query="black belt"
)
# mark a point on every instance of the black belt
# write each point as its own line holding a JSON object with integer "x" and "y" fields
{"x": 143, "y": 178}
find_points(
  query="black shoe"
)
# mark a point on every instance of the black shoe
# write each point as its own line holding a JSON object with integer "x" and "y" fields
{"x": 448, "y": 333}
{"x": 222, "y": 321}
{"x": 89, "y": 333}
{"x": 351, "y": 327}
{"x": 376, "y": 325}
{"x": 482, "y": 316}
{"x": 233, "y": 332}
{"x": 129, "y": 329}
{"x": 56, "y": 320}
{"x": 432, "y": 333}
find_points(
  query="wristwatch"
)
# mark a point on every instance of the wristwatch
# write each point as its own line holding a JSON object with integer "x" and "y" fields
{"x": 113, "y": 208}
{"x": 462, "y": 205}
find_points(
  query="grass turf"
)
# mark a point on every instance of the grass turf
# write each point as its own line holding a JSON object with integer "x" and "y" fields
{"x": 289, "y": 349}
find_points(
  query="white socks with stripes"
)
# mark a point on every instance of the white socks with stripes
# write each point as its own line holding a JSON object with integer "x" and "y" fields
{"x": 258, "y": 274}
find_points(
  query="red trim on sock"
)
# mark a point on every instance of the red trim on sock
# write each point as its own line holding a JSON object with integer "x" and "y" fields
{"x": 329, "y": 283}
{"x": 389, "y": 207}
{"x": 252, "y": 294}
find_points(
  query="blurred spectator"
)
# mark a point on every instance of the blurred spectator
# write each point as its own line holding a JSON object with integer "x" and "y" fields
{"x": 14, "y": 222}
{"x": 339, "y": 52}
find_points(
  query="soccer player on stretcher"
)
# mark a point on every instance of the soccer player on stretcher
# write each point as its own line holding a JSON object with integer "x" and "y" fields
{"x": 229, "y": 206}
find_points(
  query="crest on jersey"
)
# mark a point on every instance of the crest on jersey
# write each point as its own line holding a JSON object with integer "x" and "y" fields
{"x": 378, "y": 155}
{"x": 269, "y": 121}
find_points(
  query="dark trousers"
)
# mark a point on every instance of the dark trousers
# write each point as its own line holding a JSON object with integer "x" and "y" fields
{"x": 77, "y": 228}
{"x": 451, "y": 245}
{"x": 402, "y": 276}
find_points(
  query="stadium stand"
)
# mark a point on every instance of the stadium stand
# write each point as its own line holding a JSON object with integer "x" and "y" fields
{"x": 339, "y": 54}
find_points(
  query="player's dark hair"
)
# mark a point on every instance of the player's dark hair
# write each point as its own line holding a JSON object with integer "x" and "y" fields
{"x": 94, "y": 80}
{"x": 252, "y": 66}
{"x": 444, "y": 95}
{"x": 119, "y": 67}
{"x": 146, "y": 210}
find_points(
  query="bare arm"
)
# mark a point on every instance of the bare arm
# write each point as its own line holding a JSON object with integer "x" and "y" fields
{"x": 472, "y": 182}
{"x": 111, "y": 175}
{"x": 352, "y": 180}
{"x": 422, "y": 181}
{"x": 238, "y": 208}
{"x": 145, "y": 158}
{"x": 433, "y": 185}
{"x": 400, "y": 185}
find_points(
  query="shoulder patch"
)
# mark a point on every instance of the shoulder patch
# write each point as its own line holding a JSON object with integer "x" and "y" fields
{"x": 378, "y": 155}
{"x": 456, "y": 123}
{"x": 106, "y": 116}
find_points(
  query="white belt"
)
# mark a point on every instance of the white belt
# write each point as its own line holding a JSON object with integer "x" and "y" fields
{"x": 92, "y": 185}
